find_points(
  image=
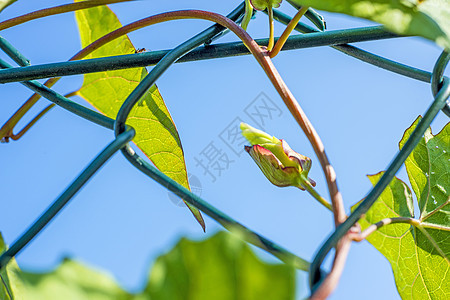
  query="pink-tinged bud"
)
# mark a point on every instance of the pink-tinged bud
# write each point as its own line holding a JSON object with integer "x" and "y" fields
{"x": 282, "y": 166}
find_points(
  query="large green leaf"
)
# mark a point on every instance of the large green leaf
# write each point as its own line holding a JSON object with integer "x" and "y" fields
{"x": 419, "y": 253}
{"x": 428, "y": 170}
{"x": 221, "y": 267}
{"x": 156, "y": 134}
{"x": 426, "y": 18}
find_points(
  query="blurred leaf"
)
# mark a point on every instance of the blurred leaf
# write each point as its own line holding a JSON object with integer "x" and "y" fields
{"x": 5, "y": 3}
{"x": 221, "y": 267}
{"x": 419, "y": 254}
{"x": 427, "y": 18}
{"x": 10, "y": 276}
{"x": 156, "y": 134}
{"x": 72, "y": 280}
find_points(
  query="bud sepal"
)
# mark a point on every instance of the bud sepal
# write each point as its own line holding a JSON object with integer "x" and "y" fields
{"x": 281, "y": 165}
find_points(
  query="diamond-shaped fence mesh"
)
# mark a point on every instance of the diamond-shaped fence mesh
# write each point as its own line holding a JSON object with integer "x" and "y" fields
{"x": 192, "y": 50}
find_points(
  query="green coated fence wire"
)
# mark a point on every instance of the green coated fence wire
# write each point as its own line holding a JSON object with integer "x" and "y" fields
{"x": 214, "y": 213}
{"x": 315, "y": 39}
{"x": 192, "y": 50}
{"x": 119, "y": 142}
{"x": 13, "y": 53}
{"x": 64, "y": 102}
{"x": 369, "y": 200}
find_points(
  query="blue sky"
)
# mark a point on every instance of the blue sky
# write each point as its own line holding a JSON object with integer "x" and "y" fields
{"x": 121, "y": 220}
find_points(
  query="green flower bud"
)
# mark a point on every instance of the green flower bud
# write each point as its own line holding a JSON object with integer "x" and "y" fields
{"x": 263, "y": 4}
{"x": 278, "y": 162}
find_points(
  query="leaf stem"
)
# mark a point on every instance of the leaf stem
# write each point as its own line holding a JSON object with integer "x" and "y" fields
{"x": 312, "y": 191}
{"x": 387, "y": 221}
{"x": 285, "y": 35}
{"x": 264, "y": 60}
{"x": 6, "y": 130}
{"x": 271, "y": 29}
{"x": 17, "y": 136}
{"x": 248, "y": 14}
{"x": 374, "y": 227}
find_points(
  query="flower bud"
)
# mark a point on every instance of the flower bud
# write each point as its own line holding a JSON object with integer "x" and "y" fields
{"x": 278, "y": 162}
{"x": 263, "y": 4}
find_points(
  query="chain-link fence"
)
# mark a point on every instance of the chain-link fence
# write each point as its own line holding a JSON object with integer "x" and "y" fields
{"x": 192, "y": 50}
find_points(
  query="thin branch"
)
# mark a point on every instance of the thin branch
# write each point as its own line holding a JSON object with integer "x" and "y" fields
{"x": 264, "y": 60}
{"x": 248, "y": 14}
{"x": 54, "y": 11}
{"x": 331, "y": 281}
{"x": 220, "y": 50}
{"x": 17, "y": 136}
{"x": 271, "y": 29}
{"x": 221, "y": 218}
{"x": 6, "y": 130}
{"x": 310, "y": 189}
{"x": 285, "y": 35}
{"x": 374, "y": 227}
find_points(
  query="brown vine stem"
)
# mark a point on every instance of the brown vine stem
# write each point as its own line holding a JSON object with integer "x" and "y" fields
{"x": 262, "y": 56}
{"x": 264, "y": 60}
{"x": 17, "y": 136}
{"x": 6, "y": 131}
{"x": 331, "y": 281}
{"x": 54, "y": 11}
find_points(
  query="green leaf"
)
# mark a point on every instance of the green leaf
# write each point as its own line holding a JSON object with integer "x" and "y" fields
{"x": 419, "y": 253}
{"x": 71, "y": 280}
{"x": 221, "y": 267}
{"x": 427, "y": 18}
{"x": 5, "y": 3}
{"x": 156, "y": 134}
{"x": 10, "y": 284}
{"x": 428, "y": 170}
